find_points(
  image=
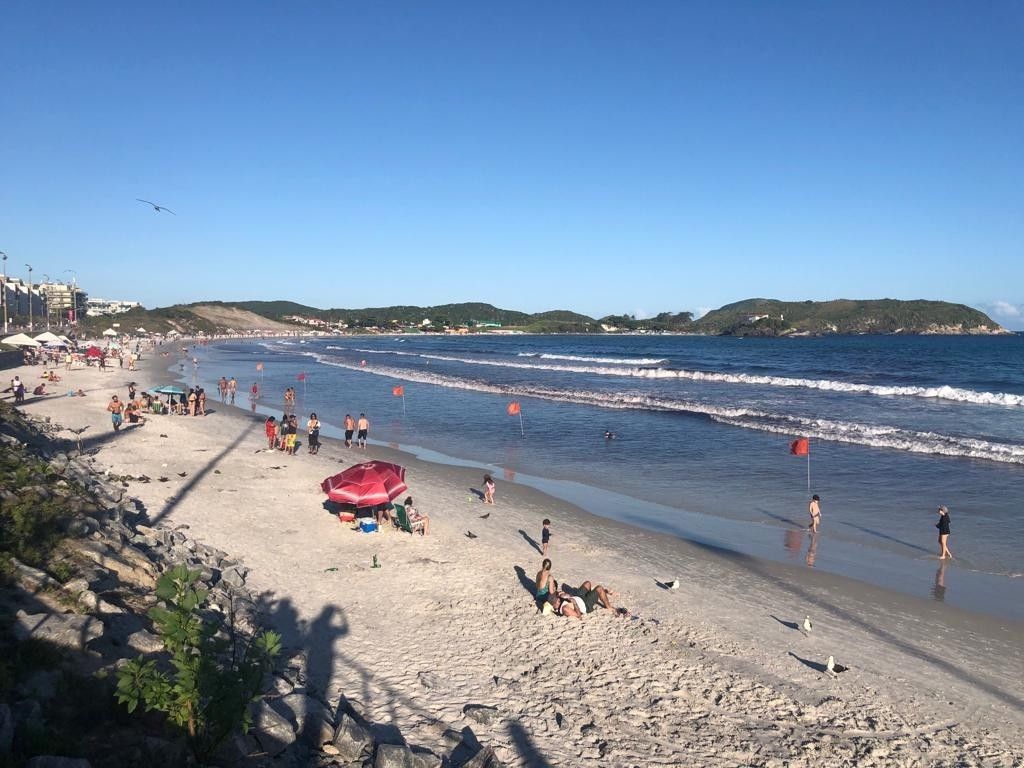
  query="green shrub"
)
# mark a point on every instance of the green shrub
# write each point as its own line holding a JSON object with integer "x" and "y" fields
{"x": 214, "y": 672}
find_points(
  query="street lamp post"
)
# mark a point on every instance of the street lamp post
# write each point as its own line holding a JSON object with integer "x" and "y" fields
{"x": 74, "y": 296}
{"x": 46, "y": 296}
{"x": 3, "y": 296}
{"x": 31, "y": 324}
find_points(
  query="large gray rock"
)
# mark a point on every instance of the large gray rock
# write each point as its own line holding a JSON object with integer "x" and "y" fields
{"x": 234, "y": 576}
{"x": 33, "y": 579}
{"x": 309, "y": 716}
{"x": 272, "y": 730}
{"x": 485, "y": 758}
{"x": 64, "y": 629}
{"x": 352, "y": 740}
{"x": 51, "y": 761}
{"x": 393, "y": 756}
{"x": 482, "y": 713}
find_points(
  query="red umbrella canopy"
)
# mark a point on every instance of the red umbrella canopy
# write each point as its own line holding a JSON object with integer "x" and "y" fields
{"x": 94, "y": 352}
{"x": 374, "y": 482}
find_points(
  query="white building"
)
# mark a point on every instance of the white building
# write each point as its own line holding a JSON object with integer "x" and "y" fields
{"x": 98, "y": 307}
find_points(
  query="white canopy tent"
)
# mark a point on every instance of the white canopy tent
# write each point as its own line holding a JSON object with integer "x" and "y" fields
{"x": 20, "y": 340}
{"x": 48, "y": 337}
{"x": 110, "y": 332}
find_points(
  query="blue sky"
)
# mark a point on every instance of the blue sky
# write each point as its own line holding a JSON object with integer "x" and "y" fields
{"x": 595, "y": 156}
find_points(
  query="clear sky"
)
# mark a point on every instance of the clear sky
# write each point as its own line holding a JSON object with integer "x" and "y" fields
{"x": 595, "y": 156}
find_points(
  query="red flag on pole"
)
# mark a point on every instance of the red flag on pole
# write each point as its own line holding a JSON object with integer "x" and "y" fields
{"x": 800, "y": 447}
{"x": 302, "y": 377}
{"x": 513, "y": 408}
{"x": 398, "y": 391}
{"x": 259, "y": 366}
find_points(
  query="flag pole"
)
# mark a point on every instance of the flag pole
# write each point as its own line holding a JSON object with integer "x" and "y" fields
{"x": 403, "y": 401}
{"x": 522, "y": 429}
{"x": 808, "y": 466}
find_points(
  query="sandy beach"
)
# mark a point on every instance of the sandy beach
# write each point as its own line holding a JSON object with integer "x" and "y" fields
{"x": 714, "y": 673}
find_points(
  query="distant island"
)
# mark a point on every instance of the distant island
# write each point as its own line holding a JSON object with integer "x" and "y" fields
{"x": 751, "y": 317}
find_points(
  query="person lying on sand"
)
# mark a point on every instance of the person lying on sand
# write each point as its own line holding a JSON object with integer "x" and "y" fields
{"x": 588, "y": 600}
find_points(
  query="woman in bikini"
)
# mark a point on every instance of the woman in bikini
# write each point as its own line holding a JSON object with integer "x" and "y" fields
{"x": 545, "y": 586}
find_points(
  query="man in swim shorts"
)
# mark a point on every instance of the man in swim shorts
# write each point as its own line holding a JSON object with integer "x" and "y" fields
{"x": 364, "y": 428}
{"x": 116, "y": 408}
{"x": 814, "y": 510}
{"x": 350, "y": 428}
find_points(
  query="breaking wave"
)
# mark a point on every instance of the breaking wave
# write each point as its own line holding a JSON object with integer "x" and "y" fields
{"x": 874, "y": 436}
{"x": 606, "y": 360}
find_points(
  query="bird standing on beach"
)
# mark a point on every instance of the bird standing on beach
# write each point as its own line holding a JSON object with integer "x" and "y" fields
{"x": 674, "y": 584}
{"x": 807, "y": 625}
{"x": 470, "y": 535}
{"x": 834, "y": 669}
{"x": 157, "y": 208}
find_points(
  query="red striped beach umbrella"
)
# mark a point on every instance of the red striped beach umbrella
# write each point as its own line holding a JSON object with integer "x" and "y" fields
{"x": 367, "y": 484}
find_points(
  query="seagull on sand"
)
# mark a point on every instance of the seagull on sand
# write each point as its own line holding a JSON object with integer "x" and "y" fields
{"x": 674, "y": 584}
{"x": 484, "y": 517}
{"x": 807, "y": 625}
{"x": 834, "y": 669}
{"x": 157, "y": 208}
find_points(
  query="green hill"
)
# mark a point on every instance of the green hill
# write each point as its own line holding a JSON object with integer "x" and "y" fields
{"x": 751, "y": 317}
{"x": 769, "y": 317}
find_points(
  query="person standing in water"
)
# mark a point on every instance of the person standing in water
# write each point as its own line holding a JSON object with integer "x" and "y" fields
{"x": 814, "y": 509}
{"x": 363, "y": 425}
{"x": 943, "y": 526}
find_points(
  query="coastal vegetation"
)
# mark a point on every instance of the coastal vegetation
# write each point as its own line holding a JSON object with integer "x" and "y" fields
{"x": 751, "y": 317}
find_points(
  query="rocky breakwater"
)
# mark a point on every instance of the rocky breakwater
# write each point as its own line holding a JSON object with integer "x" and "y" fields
{"x": 79, "y": 611}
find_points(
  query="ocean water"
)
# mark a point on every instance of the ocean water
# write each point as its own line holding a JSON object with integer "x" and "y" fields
{"x": 897, "y": 426}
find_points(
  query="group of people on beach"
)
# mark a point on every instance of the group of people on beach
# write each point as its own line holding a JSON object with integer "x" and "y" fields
{"x": 814, "y": 510}
{"x": 228, "y": 388}
{"x": 562, "y": 600}
{"x": 283, "y": 435}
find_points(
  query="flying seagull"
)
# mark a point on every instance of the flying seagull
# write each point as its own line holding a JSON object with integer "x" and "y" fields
{"x": 156, "y": 207}
{"x": 807, "y": 625}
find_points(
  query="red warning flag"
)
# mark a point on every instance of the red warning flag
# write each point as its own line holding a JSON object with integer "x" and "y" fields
{"x": 259, "y": 366}
{"x": 513, "y": 408}
{"x": 302, "y": 377}
{"x": 800, "y": 447}
{"x": 398, "y": 391}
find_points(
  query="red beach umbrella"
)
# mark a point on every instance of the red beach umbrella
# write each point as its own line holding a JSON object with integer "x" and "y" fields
{"x": 364, "y": 485}
{"x": 94, "y": 352}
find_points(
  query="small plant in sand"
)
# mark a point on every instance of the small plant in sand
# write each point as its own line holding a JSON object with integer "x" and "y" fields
{"x": 214, "y": 672}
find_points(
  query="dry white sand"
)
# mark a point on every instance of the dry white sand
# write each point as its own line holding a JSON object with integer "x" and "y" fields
{"x": 710, "y": 674}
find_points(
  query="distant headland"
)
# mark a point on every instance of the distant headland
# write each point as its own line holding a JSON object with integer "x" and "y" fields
{"x": 751, "y": 317}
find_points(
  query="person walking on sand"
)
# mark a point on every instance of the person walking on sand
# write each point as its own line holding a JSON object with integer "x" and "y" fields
{"x": 943, "y": 526}
{"x": 363, "y": 425}
{"x": 270, "y": 428}
{"x": 350, "y": 428}
{"x": 222, "y": 387}
{"x": 488, "y": 489}
{"x": 814, "y": 509}
{"x": 201, "y": 401}
{"x": 232, "y": 389}
{"x": 545, "y": 536}
{"x": 116, "y": 408}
